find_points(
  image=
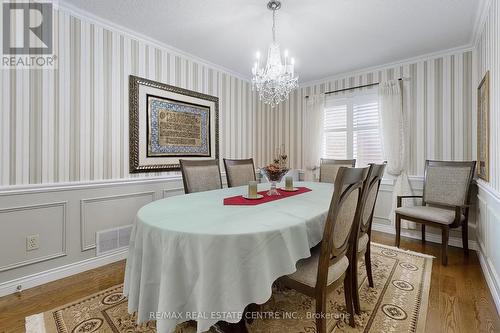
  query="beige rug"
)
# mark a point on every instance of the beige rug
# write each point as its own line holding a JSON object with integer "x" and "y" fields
{"x": 397, "y": 303}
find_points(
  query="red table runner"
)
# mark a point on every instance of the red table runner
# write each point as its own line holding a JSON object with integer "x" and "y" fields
{"x": 239, "y": 200}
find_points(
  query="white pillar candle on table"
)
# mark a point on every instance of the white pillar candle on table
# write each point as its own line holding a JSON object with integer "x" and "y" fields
{"x": 252, "y": 189}
{"x": 289, "y": 183}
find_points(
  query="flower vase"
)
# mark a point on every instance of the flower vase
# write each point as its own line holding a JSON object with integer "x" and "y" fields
{"x": 273, "y": 190}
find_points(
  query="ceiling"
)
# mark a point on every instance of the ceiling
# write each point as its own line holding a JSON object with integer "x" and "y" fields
{"x": 326, "y": 37}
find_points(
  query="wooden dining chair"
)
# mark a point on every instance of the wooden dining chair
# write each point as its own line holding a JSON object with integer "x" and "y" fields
{"x": 445, "y": 202}
{"x": 199, "y": 176}
{"x": 328, "y": 168}
{"x": 363, "y": 227}
{"x": 239, "y": 172}
{"x": 328, "y": 266}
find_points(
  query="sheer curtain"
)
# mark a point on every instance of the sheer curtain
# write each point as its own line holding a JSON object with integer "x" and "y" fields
{"x": 313, "y": 142}
{"x": 394, "y": 138}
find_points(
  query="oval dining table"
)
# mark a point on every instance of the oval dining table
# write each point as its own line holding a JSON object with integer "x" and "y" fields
{"x": 193, "y": 258}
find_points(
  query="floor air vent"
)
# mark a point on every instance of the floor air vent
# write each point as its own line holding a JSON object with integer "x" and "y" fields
{"x": 112, "y": 239}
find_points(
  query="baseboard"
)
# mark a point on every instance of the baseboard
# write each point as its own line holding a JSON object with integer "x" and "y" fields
{"x": 430, "y": 237}
{"x": 30, "y": 281}
{"x": 490, "y": 279}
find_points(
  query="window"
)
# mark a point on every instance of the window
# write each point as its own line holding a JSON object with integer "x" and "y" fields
{"x": 352, "y": 130}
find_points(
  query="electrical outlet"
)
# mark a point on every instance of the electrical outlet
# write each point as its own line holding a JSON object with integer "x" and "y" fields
{"x": 32, "y": 242}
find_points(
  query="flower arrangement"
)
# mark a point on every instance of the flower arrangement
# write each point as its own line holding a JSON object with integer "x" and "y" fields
{"x": 275, "y": 171}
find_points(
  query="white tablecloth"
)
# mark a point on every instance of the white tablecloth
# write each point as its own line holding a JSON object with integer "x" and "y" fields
{"x": 192, "y": 257}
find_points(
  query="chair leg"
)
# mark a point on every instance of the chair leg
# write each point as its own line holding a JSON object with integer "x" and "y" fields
{"x": 445, "y": 236}
{"x": 398, "y": 230}
{"x": 423, "y": 233}
{"x": 368, "y": 265}
{"x": 355, "y": 290}
{"x": 348, "y": 299}
{"x": 465, "y": 237}
{"x": 320, "y": 313}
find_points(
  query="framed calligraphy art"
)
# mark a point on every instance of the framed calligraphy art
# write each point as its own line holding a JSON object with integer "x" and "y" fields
{"x": 168, "y": 123}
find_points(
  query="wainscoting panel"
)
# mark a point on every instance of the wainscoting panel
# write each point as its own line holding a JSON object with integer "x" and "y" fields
{"x": 109, "y": 212}
{"x": 488, "y": 229}
{"x": 47, "y": 221}
{"x": 66, "y": 218}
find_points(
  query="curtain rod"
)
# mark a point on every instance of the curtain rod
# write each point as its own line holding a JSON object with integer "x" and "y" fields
{"x": 358, "y": 87}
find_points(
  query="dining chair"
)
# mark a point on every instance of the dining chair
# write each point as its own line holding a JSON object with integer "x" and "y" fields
{"x": 328, "y": 266}
{"x": 363, "y": 227}
{"x": 239, "y": 172}
{"x": 199, "y": 176}
{"x": 445, "y": 202}
{"x": 328, "y": 168}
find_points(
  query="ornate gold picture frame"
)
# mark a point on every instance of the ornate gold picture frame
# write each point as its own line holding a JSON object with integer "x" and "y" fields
{"x": 483, "y": 128}
{"x": 168, "y": 123}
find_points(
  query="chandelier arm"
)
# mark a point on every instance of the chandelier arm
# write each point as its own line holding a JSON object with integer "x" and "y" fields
{"x": 274, "y": 25}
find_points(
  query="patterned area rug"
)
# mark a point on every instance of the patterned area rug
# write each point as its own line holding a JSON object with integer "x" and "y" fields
{"x": 397, "y": 303}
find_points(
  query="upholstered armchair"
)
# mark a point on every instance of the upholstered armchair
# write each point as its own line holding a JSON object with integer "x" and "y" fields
{"x": 444, "y": 202}
{"x": 328, "y": 168}
{"x": 329, "y": 266}
{"x": 239, "y": 172}
{"x": 199, "y": 176}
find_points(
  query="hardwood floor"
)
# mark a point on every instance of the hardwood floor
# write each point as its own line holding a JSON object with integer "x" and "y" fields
{"x": 459, "y": 300}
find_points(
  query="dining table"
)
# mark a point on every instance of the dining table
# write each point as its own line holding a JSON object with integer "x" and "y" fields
{"x": 191, "y": 257}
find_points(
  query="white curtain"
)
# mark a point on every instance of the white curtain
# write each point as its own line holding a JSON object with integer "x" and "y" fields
{"x": 313, "y": 141}
{"x": 394, "y": 139}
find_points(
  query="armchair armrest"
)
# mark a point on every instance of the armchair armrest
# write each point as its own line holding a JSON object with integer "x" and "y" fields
{"x": 464, "y": 206}
{"x": 401, "y": 197}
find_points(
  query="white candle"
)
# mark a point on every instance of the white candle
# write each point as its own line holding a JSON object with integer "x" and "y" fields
{"x": 289, "y": 183}
{"x": 252, "y": 189}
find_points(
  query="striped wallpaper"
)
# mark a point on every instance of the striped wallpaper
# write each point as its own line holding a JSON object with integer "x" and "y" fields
{"x": 71, "y": 124}
{"x": 487, "y": 57}
{"x": 437, "y": 99}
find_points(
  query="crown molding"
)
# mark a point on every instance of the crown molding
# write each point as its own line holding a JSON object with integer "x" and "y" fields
{"x": 481, "y": 16}
{"x": 92, "y": 18}
{"x": 427, "y": 56}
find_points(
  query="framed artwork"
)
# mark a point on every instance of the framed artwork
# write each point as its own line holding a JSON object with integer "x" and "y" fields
{"x": 483, "y": 128}
{"x": 168, "y": 123}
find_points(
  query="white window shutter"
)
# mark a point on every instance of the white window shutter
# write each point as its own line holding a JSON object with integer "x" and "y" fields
{"x": 353, "y": 121}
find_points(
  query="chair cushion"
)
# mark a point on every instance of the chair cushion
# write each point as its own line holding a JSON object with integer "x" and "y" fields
{"x": 362, "y": 242}
{"x": 307, "y": 269}
{"x": 429, "y": 213}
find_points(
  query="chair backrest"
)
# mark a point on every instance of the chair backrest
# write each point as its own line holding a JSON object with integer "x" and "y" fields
{"x": 371, "y": 188}
{"x": 369, "y": 194}
{"x": 328, "y": 168}
{"x": 199, "y": 176}
{"x": 447, "y": 182}
{"x": 239, "y": 172}
{"x": 343, "y": 211}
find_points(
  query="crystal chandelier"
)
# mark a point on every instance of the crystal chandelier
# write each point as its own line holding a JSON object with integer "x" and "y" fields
{"x": 276, "y": 80}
